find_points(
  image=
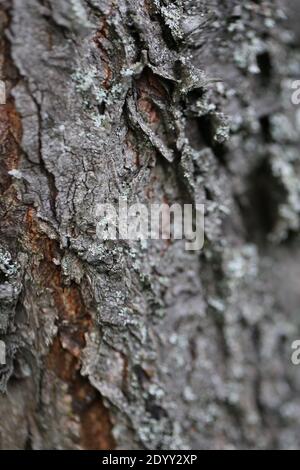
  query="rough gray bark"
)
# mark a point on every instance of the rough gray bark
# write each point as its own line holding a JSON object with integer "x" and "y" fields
{"x": 121, "y": 345}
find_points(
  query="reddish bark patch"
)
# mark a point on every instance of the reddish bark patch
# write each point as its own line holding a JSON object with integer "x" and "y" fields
{"x": 64, "y": 358}
{"x": 10, "y": 122}
{"x": 96, "y": 427}
{"x": 147, "y": 107}
{"x": 11, "y": 208}
{"x": 149, "y": 88}
{"x": 100, "y": 40}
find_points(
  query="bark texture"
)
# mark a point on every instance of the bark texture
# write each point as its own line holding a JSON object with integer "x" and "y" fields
{"x": 126, "y": 345}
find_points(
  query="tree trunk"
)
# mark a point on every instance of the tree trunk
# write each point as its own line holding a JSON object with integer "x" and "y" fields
{"x": 129, "y": 345}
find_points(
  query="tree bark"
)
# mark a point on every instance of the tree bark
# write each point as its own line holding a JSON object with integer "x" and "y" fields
{"x": 126, "y": 345}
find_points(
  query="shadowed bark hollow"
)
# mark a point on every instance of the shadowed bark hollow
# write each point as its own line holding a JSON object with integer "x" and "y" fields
{"x": 130, "y": 345}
